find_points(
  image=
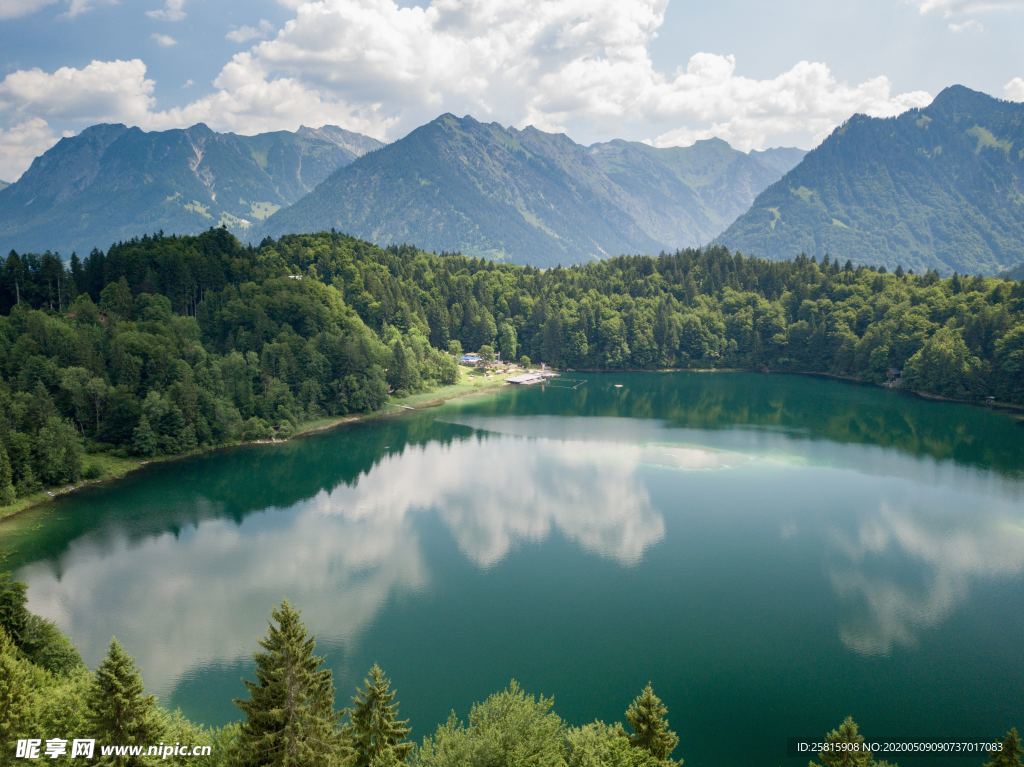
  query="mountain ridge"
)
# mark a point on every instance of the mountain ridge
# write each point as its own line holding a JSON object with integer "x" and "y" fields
{"x": 939, "y": 187}
{"x": 113, "y": 182}
{"x": 530, "y": 196}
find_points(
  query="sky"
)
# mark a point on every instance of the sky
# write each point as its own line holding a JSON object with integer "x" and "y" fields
{"x": 668, "y": 72}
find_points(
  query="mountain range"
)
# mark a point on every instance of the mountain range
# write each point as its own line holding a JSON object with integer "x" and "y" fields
{"x": 935, "y": 188}
{"x": 533, "y": 197}
{"x": 940, "y": 187}
{"x": 112, "y": 182}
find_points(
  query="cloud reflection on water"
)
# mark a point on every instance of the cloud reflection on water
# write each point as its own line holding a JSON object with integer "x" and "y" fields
{"x": 201, "y": 596}
{"x": 907, "y": 567}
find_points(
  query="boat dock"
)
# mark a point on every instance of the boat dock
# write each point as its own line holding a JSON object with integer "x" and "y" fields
{"x": 549, "y": 377}
{"x": 532, "y": 377}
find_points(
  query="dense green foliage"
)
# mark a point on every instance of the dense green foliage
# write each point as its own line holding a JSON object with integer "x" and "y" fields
{"x": 119, "y": 711}
{"x": 847, "y": 734}
{"x": 111, "y": 182}
{"x": 647, "y": 717}
{"x": 164, "y": 345}
{"x": 289, "y": 719}
{"x": 1012, "y": 753}
{"x": 533, "y": 197}
{"x": 935, "y": 188}
{"x": 376, "y": 734}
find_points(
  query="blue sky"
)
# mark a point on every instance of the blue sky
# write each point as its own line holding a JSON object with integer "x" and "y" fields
{"x": 667, "y": 72}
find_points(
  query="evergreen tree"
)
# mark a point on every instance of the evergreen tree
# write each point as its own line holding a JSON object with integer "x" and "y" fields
{"x": 376, "y": 733}
{"x": 16, "y": 693}
{"x": 13, "y": 613}
{"x": 847, "y": 732}
{"x": 120, "y": 713}
{"x": 1012, "y": 754}
{"x": 7, "y": 494}
{"x": 290, "y": 719}
{"x": 144, "y": 439}
{"x": 651, "y": 732}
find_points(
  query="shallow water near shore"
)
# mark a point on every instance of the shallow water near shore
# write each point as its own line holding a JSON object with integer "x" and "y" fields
{"x": 772, "y": 552}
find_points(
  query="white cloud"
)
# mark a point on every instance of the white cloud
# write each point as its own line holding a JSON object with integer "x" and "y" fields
{"x": 245, "y": 34}
{"x": 13, "y": 9}
{"x": 173, "y": 10}
{"x": 962, "y": 14}
{"x": 1014, "y": 90}
{"x": 102, "y": 91}
{"x": 970, "y": 25}
{"x": 21, "y": 143}
{"x": 953, "y": 7}
{"x": 31, "y": 100}
{"x": 581, "y": 67}
{"x": 578, "y": 66}
{"x": 164, "y": 41}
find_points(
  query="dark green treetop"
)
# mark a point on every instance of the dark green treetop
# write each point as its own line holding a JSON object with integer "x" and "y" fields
{"x": 290, "y": 718}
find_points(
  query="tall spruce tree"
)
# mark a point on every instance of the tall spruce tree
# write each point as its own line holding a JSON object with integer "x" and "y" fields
{"x": 290, "y": 718}
{"x": 651, "y": 731}
{"x": 847, "y": 733}
{"x": 1012, "y": 754}
{"x": 376, "y": 734}
{"x": 7, "y": 494}
{"x": 120, "y": 712}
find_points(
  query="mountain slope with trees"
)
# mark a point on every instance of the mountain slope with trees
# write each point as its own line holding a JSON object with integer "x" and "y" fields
{"x": 527, "y": 196}
{"x": 935, "y": 188}
{"x": 111, "y": 183}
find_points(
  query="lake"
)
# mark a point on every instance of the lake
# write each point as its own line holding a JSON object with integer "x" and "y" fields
{"x": 772, "y": 552}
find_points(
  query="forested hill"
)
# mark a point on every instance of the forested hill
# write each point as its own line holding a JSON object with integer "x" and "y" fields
{"x": 935, "y": 188}
{"x": 112, "y": 183}
{"x": 527, "y": 196}
{"x": 165, "y": 344}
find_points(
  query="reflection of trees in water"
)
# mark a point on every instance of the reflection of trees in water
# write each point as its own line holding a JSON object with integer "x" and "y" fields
{"x": 179, "y": 602}
{"x": 812, "y": 407}
{"x": 231, "y": 483}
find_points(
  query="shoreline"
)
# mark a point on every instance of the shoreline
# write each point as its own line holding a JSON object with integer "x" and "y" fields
{"x": 120, "y": 467}
{"x": 470, "y": 384}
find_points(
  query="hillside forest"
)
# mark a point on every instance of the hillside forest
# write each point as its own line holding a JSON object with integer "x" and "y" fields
{"x": 164, "y": 345}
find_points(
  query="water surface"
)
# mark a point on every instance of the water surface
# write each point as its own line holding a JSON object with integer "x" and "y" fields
{"x": 772, "y": 552}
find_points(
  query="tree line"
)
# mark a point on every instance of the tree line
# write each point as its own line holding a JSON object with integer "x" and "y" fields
{"x": 288, "y": 715}
{"x": 163, "y": 345}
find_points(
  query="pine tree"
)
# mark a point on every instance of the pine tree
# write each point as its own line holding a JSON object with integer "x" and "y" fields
{"x": 7, "y": 494}
{"x": 144, "y": 438}
{"x": 290, "y": 719}
{"x": 375, "y": 732}
{"x": 1012, "y": 754}
{"x": 847, "y": 732}
{"x": 651, "y": 732}
{"x": 14, "y": 614}
{"x": 120, "y": 713}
